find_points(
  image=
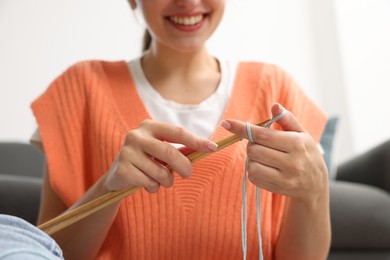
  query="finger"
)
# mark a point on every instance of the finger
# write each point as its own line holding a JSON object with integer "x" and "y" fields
{"x": 166, "y": 153}
{"x": 154, "y": 170}
{"x": 266, "y": 156}
{"x": 288, "y": 122}
{"x": 264, "y": 176}
{"x": 143, "y": 164}
{"x": 177, "y": 134}
{"x": 267, "y": 137}
{"x": 129, "y": 175}
{"x": 236, "y": 127}
{"x": 269, "y": 178}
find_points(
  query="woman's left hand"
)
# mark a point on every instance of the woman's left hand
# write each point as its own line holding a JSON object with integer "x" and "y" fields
{"x": 287, "y": 162}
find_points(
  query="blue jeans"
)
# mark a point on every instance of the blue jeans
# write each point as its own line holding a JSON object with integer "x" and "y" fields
{"x": 21, "y": 240}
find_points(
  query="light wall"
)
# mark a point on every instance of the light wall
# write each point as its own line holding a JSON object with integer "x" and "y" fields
{"x": 336, "y": 50}
{"x": 364, "y": 34}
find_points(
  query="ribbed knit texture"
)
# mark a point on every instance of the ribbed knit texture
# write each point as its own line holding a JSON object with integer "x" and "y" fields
{"x": 83, "y": 118}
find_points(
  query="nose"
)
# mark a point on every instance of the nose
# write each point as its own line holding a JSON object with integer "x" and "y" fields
{"x": 187, "y": 3}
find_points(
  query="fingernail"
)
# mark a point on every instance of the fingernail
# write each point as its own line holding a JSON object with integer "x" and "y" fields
{"x": 226, "y": 125}
{"x": 281, "y": 107}
{"x": 212, "y": 146}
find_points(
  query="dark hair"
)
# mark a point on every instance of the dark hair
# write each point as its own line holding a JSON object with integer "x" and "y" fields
{"x": 147, "y": 40}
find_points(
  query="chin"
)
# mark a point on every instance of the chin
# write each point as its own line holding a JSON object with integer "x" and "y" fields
{"x": 189, "y": 45}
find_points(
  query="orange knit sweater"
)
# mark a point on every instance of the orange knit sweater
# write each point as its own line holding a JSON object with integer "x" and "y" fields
{"x": 83, "y": 118}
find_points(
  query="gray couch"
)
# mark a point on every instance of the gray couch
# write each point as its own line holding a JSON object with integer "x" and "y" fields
{"x": 360, "y": 207}
{"x": 21, "y": 169}
{"x": 359, "y": 198}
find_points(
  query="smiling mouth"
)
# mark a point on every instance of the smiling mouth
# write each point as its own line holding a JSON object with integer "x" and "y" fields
{"x": 186, "y": 20}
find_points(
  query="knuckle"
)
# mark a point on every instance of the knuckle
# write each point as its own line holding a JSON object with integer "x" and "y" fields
{"x": 251, "y": 151}
{"x": 123, "y": 174}
{"x": 126, "y": 155}
{"x": 292, "y": 184}
{"x": 252, "y": 177}
{"x": 164, "y": 178}
{"x": 261, "y": 136}
{"x": 298, "y": 183}
{"x": 287, "y": 182}
{"x": 122, "y": 171}
{"x": 131, "y": 136}
{"x": 252, "y": 167}
{"x": 151, "y": 186}
{"x": 299, "y": 142}
{"x": 180, "y": 132}
{"x": 170, "y": 153}
{"x": 146, "y": 123}
{"x": 199, "y": 143}
{"x": 123, "y": 154}
{"x": 186, "y": 169}
{"x": 296, "y": 167}
{"x": 168, "y": 184}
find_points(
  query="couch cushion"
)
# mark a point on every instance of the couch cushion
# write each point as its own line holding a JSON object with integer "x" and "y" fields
{"x": 359, "y": 255}
{"x": 20, "y": 196}
{"x": 360, "y": 216}
{"x": 371, "y": 167}
{"x": 21, "y": 159}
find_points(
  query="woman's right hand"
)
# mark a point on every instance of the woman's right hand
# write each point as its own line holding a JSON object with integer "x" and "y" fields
{"x": 146, "y": 152}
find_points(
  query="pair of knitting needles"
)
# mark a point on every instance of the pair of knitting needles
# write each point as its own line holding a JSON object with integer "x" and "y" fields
{"x": 72, "y": 216}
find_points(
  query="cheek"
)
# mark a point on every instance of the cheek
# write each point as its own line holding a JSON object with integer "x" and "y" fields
{"x": 150, "y": 11}
{"x": 153, "y": 22}
{"x": 219, "y": 10}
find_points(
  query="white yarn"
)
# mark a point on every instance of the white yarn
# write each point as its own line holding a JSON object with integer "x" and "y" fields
{"x": 244, "y": 195}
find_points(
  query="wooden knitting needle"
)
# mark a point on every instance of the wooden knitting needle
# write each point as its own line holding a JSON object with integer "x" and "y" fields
{"x": 74, "y": 215}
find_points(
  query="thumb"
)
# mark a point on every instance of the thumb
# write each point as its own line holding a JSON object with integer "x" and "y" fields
{"x": 288, "y": 122}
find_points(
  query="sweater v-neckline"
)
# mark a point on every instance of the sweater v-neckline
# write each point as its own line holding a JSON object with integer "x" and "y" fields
{"x": 133, "y": 112}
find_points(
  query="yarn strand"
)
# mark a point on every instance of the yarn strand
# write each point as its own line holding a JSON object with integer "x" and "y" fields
{"x": 244, "y": 214}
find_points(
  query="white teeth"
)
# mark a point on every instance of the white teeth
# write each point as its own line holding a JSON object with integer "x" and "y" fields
{"x": 188, "y": 20}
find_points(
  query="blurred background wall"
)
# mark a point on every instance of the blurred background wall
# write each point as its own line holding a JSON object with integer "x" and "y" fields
{"x": 337, "y": 50}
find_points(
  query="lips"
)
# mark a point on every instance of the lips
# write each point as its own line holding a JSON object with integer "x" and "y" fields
{"x": 187, "y": 23}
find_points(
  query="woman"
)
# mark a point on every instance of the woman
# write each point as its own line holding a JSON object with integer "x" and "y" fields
{"x": 106, "y": 126}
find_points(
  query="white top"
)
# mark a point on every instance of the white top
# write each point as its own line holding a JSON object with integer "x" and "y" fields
{"x": 200, "y": 119}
